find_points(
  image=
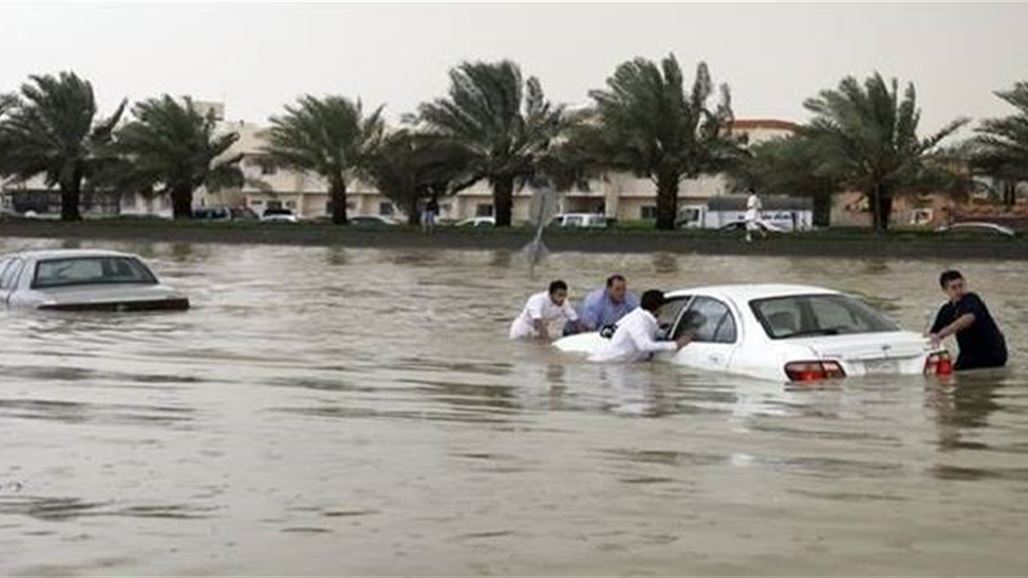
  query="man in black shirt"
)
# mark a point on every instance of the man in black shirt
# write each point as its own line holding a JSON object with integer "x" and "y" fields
{"x": 966, "y": 316}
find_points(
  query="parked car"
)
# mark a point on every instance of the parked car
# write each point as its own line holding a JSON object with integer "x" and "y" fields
{"x": 278, "y": 216}
{"x": 784, "y": 333}
{"x": 371, "y": 221}
{"x": 84, "y": 280}
{"x": 977, "y": 227}
{"x": 478, "y": 222}
{"x": 213, "y": 214}
{"x": 580, "y": 220}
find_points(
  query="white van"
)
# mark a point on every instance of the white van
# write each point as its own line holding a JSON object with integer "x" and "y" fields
{"x": 580, "y": 220}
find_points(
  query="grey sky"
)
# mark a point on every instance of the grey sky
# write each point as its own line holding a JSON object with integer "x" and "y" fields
{"x": 256, "y": 57}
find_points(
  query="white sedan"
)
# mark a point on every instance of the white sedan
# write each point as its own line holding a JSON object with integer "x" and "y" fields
{"x": 784, "y": 332}
{"x": 84, "y": 280}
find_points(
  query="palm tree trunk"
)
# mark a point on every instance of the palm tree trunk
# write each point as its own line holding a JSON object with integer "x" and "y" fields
{"x": 71, "y": 194}
{"x": 667, "y": 201}
{"x": 503, "y": 200}
{"x": 182, "y": 202}
{"x": 822, "y": 216}
{"x": 413, "y": 217}
{"x": 881, "y": 208}
{"x": 337, "y": 194}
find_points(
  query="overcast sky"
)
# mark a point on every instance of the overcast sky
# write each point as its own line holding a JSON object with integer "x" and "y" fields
{"x": 256, "y": 57}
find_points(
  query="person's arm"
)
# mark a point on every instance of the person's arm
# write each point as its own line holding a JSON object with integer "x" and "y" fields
{"x": 645, "y": 342}
{"x": 535, "y": 313}
{"x": 540, "y": 329}
{"x": 573, "y": 319}
{"x": 966, "y": 316}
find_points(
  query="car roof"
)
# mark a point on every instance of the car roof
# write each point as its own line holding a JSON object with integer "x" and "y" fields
{"x": 743, "y": 292}
{"x": 42, "y": 255}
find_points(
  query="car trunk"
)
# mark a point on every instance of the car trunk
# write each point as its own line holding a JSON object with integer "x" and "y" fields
{"x": 866, "y": 346}
{"x": 114, "y": 298}
{"x": 871, "y": 353}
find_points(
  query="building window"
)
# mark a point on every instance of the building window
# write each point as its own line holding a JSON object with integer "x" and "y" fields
{"x": 128, "y": 201}
{"x": 256, "y": 202}
{"x": 386, "y": 209}
{"x": 483, "y": 210}
{"x": 274, "y": 205}
{"x": 268, "y": 168}
{"x": 648, "y": 212}
{"x": 290, "y": 204}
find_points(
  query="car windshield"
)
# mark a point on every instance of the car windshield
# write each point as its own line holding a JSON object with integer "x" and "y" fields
{"x": 812, "y": 315}
{"x": 91, "y": 270}
{"x": 271, "y": 212}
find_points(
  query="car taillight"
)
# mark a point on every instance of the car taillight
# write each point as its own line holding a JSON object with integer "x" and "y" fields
{"x": 938, "y": 363}
{"x": 813, "y": 370}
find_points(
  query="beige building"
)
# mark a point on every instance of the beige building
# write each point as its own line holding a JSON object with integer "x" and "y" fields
{"x": 618, "y": 195}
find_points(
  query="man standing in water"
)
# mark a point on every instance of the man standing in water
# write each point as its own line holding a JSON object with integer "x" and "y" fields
{"x": 636, "y": 336}
{"x": 541, "y": 310}
{"x": 965, "y": 315}
{"x": 607, "y": 305}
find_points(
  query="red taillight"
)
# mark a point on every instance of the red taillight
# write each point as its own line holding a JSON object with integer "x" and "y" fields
{"x": 938, "y": 363}
{"x": 813, "y": 370}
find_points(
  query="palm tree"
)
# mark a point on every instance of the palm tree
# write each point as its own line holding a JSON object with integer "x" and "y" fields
{"x": 869, "y": 133}
{"x": 170, "y": 148}
{"x": 1000, "y": 148}
{"x": 646, "y": 123}
{"x": 410, "y": 168}
{"x": 53, "y": 130}
{"x": 503, "y": 124}
{"x": 332, "y": 137}
{"x": 794, "y": 165}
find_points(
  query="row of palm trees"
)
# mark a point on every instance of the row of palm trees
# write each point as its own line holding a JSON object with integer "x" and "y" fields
{"x": 496, "y": 126}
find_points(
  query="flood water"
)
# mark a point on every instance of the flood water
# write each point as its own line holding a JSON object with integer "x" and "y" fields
{"x": 337, "y": 411}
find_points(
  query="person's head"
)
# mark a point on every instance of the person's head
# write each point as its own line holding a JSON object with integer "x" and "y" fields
{"x": 617, "y": 287}
{"x": 652, "y": 300}
{"x": 751, "y": 191}
{"x": 558, "y": 292}
{"x": 953, "y": 284}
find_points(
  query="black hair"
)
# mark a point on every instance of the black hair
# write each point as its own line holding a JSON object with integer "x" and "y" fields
{"x": 613, "y": 278}
{"x": 558, "y": 285}
{"x": 947, "y": 276}
{"x": 652, "y": 300}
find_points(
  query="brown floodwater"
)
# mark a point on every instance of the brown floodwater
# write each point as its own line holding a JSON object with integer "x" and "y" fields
{"x": 336, "y": 411}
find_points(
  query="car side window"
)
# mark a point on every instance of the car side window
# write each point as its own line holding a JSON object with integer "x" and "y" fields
{"x": 709, "y": 321}
{"x": 670, "y": 310}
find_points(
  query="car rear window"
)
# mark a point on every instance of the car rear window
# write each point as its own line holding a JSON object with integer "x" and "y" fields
{"x": 812, "y": 315}
{"x": 91, "y": 270}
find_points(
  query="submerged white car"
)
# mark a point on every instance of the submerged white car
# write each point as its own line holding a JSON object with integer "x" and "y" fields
{"x": 784, "y": 333}
{"x": 84, "y": 280}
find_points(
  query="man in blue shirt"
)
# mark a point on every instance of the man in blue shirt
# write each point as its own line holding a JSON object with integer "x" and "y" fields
{"x": 607, "y": 305}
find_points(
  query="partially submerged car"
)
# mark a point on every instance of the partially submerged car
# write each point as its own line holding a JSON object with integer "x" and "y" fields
{"x": 784, "y": 333}
{"x": 84, "y": 280}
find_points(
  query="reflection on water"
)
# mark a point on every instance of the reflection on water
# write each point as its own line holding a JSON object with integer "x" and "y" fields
{"x": 348, "y": 411}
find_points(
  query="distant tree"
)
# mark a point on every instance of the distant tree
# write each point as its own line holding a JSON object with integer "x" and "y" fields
{"x": 647, "y": 123}
{"x": 868, "y": 133}
{"x": 332, "y": 137}
{"x": 170, "y": 148}
{"x": 410, "y": 168}
{"x": 794, "y": 165}
{"x": 503, "y": 124}
{"x": 53, "y": 130}
{"x": 1000, "y": 148}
